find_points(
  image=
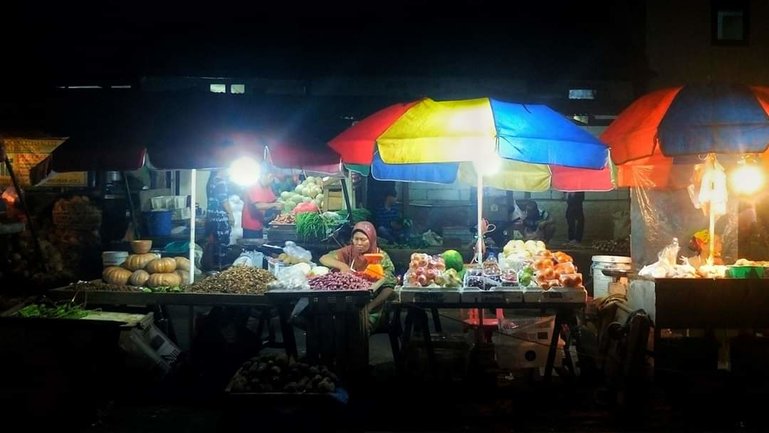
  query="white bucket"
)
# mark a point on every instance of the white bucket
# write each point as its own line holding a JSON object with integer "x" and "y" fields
{"x": 113, "y": 258}
{"x": 600, "y": 281}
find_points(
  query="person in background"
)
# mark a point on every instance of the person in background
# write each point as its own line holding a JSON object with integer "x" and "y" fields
{"x": 700, "y": 244}
{"x": 388, "y": 218}
{"x": 257, "y": 199}
{"x": 219, "y": 218}
{"x": 537, "y": 224}
{"x": 350, "y": 259}
{"x": 575, "y": 216}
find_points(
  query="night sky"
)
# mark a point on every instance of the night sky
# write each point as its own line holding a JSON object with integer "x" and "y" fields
{"x": 544, "y": 40}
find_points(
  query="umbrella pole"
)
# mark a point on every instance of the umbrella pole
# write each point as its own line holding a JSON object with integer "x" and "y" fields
{"x": 193, "y": 198}
{"x": 479, "y": 200}
{"x": 712, "y": 236}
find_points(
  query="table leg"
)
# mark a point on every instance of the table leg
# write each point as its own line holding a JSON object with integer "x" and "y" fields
{"x": 191, "y": 322}
{"x": 287, "y": 330}
{"x": 395, "y": 332}
{"x": 436, "y": 320}
{"x": 553, "y": 346}
{"x": 424, "y": 323}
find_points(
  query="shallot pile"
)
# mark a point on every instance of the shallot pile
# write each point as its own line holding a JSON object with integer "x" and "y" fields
{"x": 339, "y": 281}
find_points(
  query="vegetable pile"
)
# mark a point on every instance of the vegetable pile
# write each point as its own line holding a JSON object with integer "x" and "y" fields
{"x": 339, "y": 281}
{"x": 236, "y": 279}
{"x": 66, "y": 310}
{"x": 309, "y": 191}
{"x": 278, "y": 373}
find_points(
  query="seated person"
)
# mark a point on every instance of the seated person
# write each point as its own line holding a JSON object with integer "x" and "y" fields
{"x": 386, "y": 215}
{"x": 536, "y": 224}
{"x": 350, "y": 259}
{"x": 700, "y": 244}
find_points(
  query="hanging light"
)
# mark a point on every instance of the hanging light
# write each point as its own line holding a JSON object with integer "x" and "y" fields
{"x": 748, "y": 178}
{"x": 245, "y": 171}
{"x": 488, "y": 164}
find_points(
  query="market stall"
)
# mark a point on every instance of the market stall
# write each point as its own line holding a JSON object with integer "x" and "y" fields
{"x": 694, "y": 157}
{"x": 511, "y": 146}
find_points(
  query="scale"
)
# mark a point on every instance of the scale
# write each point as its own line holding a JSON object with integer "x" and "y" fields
{"x": 619, "y": 281}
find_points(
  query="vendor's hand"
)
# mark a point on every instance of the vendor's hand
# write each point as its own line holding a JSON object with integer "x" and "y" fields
{"x": 345, "y": 268}
{"x": 277, "y": 206}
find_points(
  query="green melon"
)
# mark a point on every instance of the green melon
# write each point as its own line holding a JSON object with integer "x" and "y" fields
{"x": 453, "y": 260}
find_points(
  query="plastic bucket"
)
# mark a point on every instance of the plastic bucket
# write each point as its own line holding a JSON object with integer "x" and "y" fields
{"x": 600, "y": 281}
{"x": 158, "y": 222}
{"x": 113, "y": 258}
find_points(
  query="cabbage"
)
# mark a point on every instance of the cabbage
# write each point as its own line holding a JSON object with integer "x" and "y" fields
{"x": 285, "y": 194}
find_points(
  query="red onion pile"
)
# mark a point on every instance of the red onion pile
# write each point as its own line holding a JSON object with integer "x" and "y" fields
{"x": 339, "y": 281}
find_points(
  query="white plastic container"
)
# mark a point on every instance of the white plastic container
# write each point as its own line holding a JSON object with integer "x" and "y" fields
{"x": 113, "y": 258}
{"x": 600, "y": 281}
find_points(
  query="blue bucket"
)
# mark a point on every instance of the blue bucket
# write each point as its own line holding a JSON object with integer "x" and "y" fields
{"x": 158, "y": 222}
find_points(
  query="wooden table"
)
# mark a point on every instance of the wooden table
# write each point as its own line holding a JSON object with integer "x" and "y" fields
{"x": 417, "y": 307}
{"x": 701, "y": 304}
{"x": 189, "y": 299}
{"x": 337, "y": 326}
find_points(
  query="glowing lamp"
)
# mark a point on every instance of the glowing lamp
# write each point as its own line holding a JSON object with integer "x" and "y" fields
{"x": 747, "y": 178}
{"x": 244, "y": 171}
{"x": 488, "y": 165}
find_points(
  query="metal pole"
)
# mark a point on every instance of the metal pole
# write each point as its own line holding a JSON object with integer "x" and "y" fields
{"x": 193, "y": 198}
{"x": 131, "y": 210}
{"x": 479, "y": 199}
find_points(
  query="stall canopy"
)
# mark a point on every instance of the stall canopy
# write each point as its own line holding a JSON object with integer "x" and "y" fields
{"x": 674, "y": 126}
{"x": 668, "y": 142}
{"x": 438, "y": 142}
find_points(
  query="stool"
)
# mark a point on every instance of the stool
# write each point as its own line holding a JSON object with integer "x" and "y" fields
{"x": 490, "y": 324}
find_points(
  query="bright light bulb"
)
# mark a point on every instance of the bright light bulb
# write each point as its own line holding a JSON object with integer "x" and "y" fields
{"x": 244, "y": 171}
{"x": 747, "y": 179}
{"x": 488, "y": 165}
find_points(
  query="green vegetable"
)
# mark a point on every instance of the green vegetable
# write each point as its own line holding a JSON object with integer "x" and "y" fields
{"x": 310, "y": 226}
{"x": 66, "y": 310}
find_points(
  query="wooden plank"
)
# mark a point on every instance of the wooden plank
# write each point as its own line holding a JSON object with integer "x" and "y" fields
{"x": 142, "y": 298}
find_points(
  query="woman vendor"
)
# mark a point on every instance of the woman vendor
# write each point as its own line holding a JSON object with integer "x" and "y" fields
{"x": 700, "y": 244}
{"x": 350, "y": 259}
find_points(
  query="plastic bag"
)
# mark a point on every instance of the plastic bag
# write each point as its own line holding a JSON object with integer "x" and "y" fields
{"x": 432, "y": 239}
{"x": 290, "y": 278}
{"x": 254, "y": 259}
{"x": 294, "y": 250}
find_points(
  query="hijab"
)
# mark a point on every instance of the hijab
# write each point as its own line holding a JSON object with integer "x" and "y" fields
{"x": 350, "y": 255}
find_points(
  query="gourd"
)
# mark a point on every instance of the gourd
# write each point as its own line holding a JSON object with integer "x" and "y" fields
{"x": 116, "y": 275}
{"x": 161, "y": 266}
{"x": 139, "y": 277}
{"x": 165, "y": 279}
{"x": 182, "y": 263}
{"x": 135, "y": 262}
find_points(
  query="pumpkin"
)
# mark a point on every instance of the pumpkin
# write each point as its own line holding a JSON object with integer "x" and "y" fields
{"x": 182, "y": 263}
{"x": 164, "y": 279}
{"x": 139, "y": 277}
{"x": 135, "y": 262}
{"x": 184, "y": 275}
{"x": 116, "y": 275}
{"x": 161, "y": 266}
